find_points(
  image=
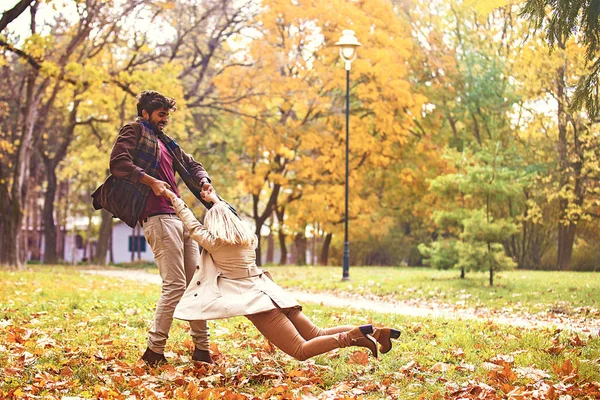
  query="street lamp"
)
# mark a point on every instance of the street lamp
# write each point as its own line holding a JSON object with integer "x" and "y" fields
{"x": 348, "y": 45}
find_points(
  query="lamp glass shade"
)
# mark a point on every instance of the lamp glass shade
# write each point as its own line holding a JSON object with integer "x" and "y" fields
{"x": 348, "y": 52}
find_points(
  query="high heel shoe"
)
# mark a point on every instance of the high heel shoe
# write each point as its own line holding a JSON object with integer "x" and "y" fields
{"x": 383, "y": 336}
{"x": 360, "y": 336}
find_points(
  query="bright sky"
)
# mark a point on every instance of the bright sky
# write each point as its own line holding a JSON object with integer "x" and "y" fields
{"x": 68, "y": 9}
{"x": 45, "y": 14}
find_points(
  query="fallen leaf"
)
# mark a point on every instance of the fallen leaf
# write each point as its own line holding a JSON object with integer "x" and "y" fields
{"x": 359, "y": 357}
{"x": 458, "y": 353}
{"x": 440, "y": 367}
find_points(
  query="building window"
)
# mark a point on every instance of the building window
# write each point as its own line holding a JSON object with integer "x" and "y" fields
{"x": 79, "y": 242}
{"x": 137, "y": 243}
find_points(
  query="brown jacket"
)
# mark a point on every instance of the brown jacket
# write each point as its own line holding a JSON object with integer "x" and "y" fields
{"x": 135, "y": 153}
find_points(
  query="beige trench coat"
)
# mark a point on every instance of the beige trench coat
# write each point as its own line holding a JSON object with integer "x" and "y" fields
{"x": 227, "y": 282}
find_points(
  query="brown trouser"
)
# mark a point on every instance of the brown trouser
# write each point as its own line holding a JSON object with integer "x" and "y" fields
{"x": 177, "y": 256}
{"x": 292, "y": 332}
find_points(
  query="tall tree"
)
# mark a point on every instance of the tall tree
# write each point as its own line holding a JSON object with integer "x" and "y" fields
{"x": 562, "y": 20}
{"x": 293, "y": 120}
{"x": 43, "y": 75}
{"x": 562, "y": 139}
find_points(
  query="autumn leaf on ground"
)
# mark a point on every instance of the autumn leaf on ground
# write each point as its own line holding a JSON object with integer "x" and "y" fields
{"x": 441, "y": 367}
{"x": 465, "y": 367}
{"x": 66, "y": 371}
{"x": 576, "y": 341}
{"x": 556, "y": 349}
{"x": 458, "y": 353}
{"x": 358, "y": 357}
{"x": 474, "y": 390}
{"x": 531, "y": 373}
{"x": 566, "y": 371}
{"x": 506, "y": 375}
{"x": 488, "y": 366}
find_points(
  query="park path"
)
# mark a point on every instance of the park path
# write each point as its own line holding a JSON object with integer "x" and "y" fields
{"x": 447, "y": 311}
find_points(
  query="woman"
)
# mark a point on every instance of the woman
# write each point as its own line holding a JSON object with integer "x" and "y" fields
{"x": 229, "y": 284}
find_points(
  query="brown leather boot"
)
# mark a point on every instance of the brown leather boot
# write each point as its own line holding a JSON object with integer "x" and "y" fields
{"x": 384, "y": 336}
{"x": 153, "y": 358}
{"x": 359, "y": 336}
{"x": 202, "y": 356}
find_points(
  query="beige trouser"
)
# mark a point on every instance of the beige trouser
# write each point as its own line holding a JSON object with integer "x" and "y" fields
{"x": 177, "y": 257}
{"x": 292, "y": 332}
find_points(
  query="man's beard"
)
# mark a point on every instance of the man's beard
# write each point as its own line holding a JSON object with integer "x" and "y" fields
{"x": 158, "y": 126}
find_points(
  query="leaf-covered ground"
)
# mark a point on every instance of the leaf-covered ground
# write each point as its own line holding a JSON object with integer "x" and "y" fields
{"x": 64, "y": 333}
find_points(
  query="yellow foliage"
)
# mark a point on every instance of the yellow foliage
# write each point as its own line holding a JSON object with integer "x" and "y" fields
{"x": 485, "y": 6}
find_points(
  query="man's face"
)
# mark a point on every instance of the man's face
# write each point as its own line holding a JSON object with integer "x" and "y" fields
{"x": 158, "y": 119}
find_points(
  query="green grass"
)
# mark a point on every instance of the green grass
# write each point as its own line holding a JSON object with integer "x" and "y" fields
{"x": 65, "y": 333}
{"x": 528, "y": 291}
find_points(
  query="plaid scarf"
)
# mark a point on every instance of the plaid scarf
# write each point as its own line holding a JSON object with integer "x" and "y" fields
{"x": 126, "y": 200}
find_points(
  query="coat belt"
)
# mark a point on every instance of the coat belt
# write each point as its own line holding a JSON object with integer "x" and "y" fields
{"x": 242, "y": 273}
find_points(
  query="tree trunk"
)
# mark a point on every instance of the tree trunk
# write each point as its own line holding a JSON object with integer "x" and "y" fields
{"x": 103, "y": 238}
{"x": 61, "y": 217}
{"x": 13, "y": 205}
{"x": 35, "y": 234}
{"x": 11, "y": 240}
{"x": 270, "y": 247}
{"x": 260, "y": 218}
{"x": 50, "y": 255}
{"x": 566, "y": 224}
{"x": 324, "y": 257}
{"x": 282, "y": 247}
{"x": 566, "y": 239}
{"x": 280, "y": 212}
{"x": 491, "y": 276}
{"x": 313, "y": 245}
{"x": 564, "y": 243}
{"x": 301, "y": 244}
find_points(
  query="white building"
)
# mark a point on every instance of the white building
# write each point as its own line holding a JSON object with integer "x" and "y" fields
{"x": 126, "y": 240}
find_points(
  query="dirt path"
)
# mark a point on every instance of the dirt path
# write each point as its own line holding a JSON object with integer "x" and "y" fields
{"x": 578, "y": 324}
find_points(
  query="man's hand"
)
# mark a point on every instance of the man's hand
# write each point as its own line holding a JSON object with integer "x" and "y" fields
{"x": 157, "y": 186}
{"x": 160, "y": 187}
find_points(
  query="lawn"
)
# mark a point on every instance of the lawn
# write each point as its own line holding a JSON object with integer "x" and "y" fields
{"x": 64, "y": 333}
{"x": 570, "y": 293}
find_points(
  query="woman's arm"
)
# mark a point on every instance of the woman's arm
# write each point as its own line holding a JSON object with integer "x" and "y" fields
{"x": 198, "y": 232}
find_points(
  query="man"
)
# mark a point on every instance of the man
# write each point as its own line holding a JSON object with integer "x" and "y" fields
{"x": 143, "y": 163}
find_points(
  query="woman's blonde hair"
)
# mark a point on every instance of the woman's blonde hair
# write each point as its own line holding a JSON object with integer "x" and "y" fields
{"x": 223, "y": 224}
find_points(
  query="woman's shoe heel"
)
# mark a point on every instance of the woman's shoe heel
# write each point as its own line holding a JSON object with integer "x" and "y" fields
{"x": 366, "y": 329}
{"x": 367, "y": 340}
{"x": 384, "y": 336}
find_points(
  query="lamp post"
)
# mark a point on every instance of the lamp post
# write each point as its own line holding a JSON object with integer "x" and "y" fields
{"x": 348, "y": 45}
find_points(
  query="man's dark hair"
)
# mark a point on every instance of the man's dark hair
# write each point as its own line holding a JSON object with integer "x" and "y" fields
{"x": 151, "y": 100}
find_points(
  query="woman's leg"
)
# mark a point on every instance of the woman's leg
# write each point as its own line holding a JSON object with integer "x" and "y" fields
{"x": 280, "y": 331}
{"x": 307, "y": 329}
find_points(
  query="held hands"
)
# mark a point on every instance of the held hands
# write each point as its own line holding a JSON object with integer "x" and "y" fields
{"x": 157, "y": 186}
{"x": 208, "y": 193}
{"x": 160, "y": 187}
{"x": 170, "y": 195}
